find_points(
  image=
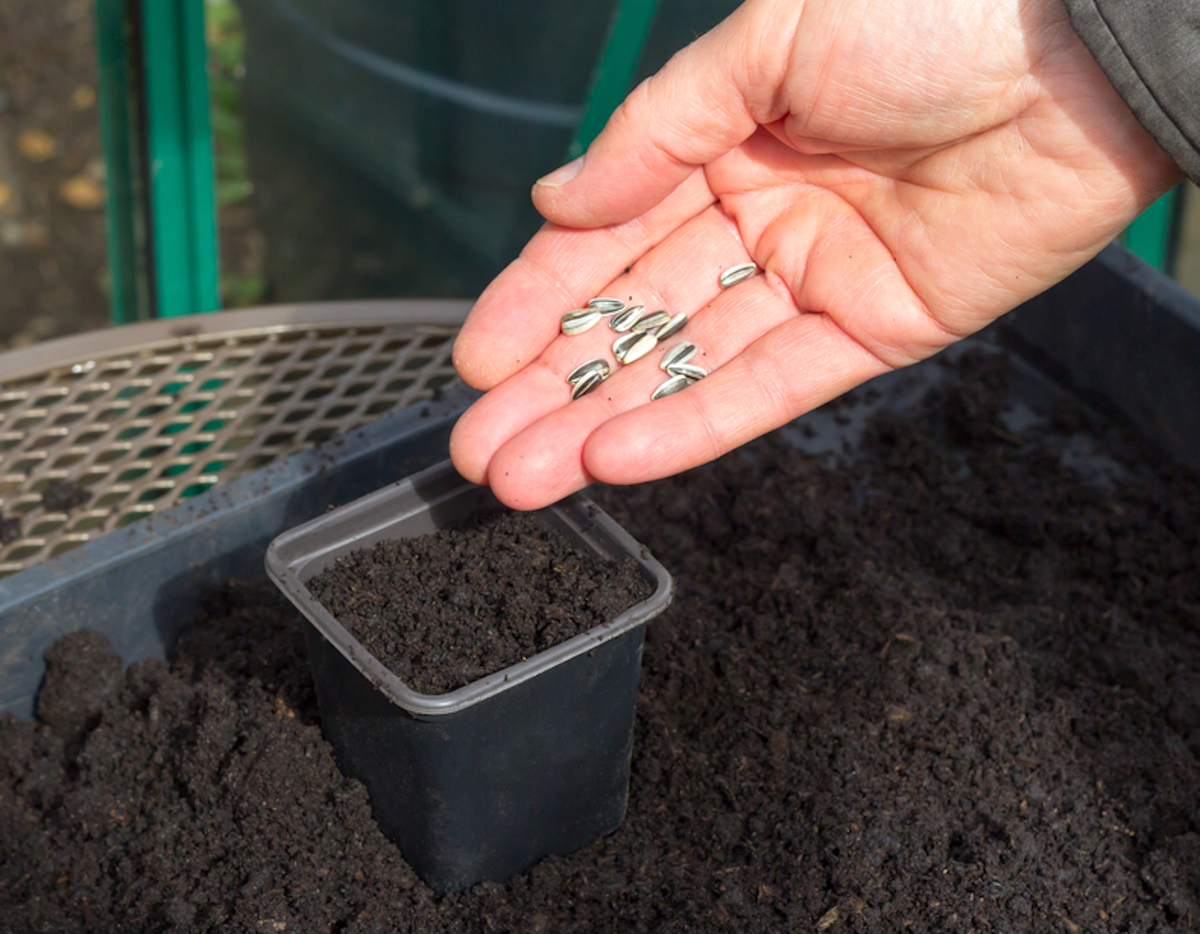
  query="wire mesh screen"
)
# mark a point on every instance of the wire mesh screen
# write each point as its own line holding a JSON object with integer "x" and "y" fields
{"x": 94, "y": 444}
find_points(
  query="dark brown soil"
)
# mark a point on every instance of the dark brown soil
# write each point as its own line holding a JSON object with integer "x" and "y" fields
{"x": 446, "y": 609}
{"x": 10, "y": 529}
{"x": 83, "y": 674}
{"x": 937, "y": 688}
{"x": 52, "y": 258}
{"x": 63, "y": 496}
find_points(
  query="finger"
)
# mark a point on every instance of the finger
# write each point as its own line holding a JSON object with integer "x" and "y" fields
{"x": 548, "y": 460}
{"x": 688, "y": 114}
{"x": 792, "y": 369}
{"x": 519, "y": 313}
{"x": 681, "y": 274}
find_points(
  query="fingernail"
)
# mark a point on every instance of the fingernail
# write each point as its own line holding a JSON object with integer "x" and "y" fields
{"x": 562, "y": 175}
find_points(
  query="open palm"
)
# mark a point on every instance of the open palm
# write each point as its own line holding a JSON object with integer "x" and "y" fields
{"x": 902, "y": 178}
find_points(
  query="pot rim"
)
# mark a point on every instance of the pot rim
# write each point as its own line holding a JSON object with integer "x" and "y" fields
{"x": 302, "y": 552}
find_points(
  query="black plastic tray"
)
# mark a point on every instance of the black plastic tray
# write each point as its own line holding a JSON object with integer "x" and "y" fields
{"x": 1118, "y": 334}
{"x": 1124, "y": 338}
{"x": 141, "y": 584}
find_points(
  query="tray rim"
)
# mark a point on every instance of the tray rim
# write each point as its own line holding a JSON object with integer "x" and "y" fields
{"x": 24, "y": 362}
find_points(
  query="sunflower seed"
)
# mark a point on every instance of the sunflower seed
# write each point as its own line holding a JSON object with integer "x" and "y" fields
{"x": 579, "y": 320}
{"x": 645, "y": 344}
{"x": 587, "y": 384}
{"x": 648, "y": 323}
{"x": 686, "y": 369}
{"x": 680, "y": 353}
{"x": 736, "y": 274}
{"x": 673, "y": 385}
{"x": 671, "y": 326}
{"x": 606, "y": 306}
{"x": 624, "y": 320}
{"x": 592, "y": 366}
{"x": 623, "y": 344}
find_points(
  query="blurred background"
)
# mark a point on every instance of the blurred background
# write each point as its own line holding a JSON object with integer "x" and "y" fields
{"x": 355, "y": 148}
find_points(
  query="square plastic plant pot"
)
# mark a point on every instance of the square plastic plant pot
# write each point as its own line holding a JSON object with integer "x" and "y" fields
{"x": 481, "y": 782}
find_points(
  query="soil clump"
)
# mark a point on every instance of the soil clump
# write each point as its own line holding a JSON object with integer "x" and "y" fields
{"x": 445, "y": 609}
{"x": 63, "y": 496}
{"x": 949, "y": 684}
{"x": 10, "y": 529}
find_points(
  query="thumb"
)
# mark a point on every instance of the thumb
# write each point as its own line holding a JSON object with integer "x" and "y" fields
{"x": 686, "y": 115}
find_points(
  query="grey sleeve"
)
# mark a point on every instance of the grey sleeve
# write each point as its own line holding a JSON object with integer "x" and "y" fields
{"x": 1150, "y": 50}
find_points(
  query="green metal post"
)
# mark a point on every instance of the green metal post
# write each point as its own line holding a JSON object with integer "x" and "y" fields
{"x": 1150, "y": 235}
{"x": 154, "y": 126}
{"x": 618, "y": 63}
{"x": 179, "y": 147}
{"x": 129, "y": 292}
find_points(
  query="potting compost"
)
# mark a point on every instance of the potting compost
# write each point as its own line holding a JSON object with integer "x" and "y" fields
{"x": 448, "y": 608}
{"x": 63, "y": 496}
{"x": 946, "y": 681}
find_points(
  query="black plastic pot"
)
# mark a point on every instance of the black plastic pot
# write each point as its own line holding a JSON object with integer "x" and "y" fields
{"x": 481, "y": 782}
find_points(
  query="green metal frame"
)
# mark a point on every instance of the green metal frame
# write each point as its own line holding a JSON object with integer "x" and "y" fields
{"x": 154, "y": 116}
{"x": 128, "y": 269}
{"x": 1152, "y": 235}
{"x": 615, "y": 69}
{"x": 179, "y": 142}
{"x": 163, "y": 253}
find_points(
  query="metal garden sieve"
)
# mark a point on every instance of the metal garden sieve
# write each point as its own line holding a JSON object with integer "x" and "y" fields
{"x": 144, "y": 416}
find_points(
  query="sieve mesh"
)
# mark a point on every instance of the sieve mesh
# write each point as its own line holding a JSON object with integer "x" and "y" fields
{"x": 96, "y": 442}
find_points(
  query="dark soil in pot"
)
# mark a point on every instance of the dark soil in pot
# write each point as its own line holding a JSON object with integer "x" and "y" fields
{"x": 445, "y": 609}
{"x": 951, "y": 685}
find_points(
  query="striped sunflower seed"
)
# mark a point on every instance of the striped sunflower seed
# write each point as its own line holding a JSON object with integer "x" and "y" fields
{"x": 680, "y": 353}
{"x": 650, "y": 322}
{"x": 673, "y": 385}
{"x": 736, "y": 274}
{"x": 687, "y": 369}
{"x": 579, "y": 320}
{"x": 587, "y": 384}
{"x": 606, "y": 306}
{"x": 584, "y": 369}
{"x": 622, "y": 345}
{"x": 625, "y": 320}
{"x": 671, "y": 326}
{"x": 645, "y": 344}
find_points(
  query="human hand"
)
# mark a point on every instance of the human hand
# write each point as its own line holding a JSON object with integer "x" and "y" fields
{"x": 902, "y": 178}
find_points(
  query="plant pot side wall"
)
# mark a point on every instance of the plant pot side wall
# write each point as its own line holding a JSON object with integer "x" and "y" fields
{"x": 485, "y": 792}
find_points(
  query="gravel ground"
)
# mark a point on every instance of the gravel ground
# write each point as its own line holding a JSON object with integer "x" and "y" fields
{"x": 53, "y": 263}
{"x": 52, "y": 257}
